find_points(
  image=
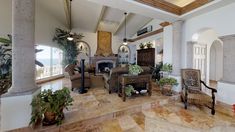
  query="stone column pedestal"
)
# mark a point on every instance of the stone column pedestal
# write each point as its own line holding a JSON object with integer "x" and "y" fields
{"x": 15, "y": 105}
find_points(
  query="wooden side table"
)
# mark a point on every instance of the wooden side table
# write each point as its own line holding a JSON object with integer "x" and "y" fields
{"x": 126, "y": 79}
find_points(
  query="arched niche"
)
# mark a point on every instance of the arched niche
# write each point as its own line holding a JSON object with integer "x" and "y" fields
{"x": 84, "y": 51}
{"x": 216, "y": 61}
{"x": 124, "y": 54}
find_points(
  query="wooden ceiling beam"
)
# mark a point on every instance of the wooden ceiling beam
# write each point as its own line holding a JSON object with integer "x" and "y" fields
{"x": 169, "y": 7}
{"x": 163, "y": 5}
{"x": 103, "y": 10}
{"x": 194, "y": 5}
{"x": 147, "y": 35}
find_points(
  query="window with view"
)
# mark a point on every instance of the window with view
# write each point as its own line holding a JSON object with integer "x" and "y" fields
{"x": 51, "y": 58}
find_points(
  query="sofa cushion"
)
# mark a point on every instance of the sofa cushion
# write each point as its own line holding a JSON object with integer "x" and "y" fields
{"x": 77, "y": 76}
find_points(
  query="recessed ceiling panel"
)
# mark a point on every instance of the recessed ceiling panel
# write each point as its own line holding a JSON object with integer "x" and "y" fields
{"x": 180, "y": 3}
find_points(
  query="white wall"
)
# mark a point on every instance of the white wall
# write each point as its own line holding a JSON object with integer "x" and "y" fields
{"x": 221, "y": 20}
{"x": 45, "y": 23}
{"x": 91, "y": 39}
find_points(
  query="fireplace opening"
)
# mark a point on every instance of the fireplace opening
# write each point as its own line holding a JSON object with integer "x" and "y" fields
{"x": 104, "y": 67}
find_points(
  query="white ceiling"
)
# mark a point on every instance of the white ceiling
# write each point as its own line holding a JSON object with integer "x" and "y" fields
{"x": 86, "y": 15}
{"x": 56, "y": 10}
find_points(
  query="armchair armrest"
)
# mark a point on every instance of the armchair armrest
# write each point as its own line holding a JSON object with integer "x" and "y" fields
{"x": 75, "y": 77}
{"x": 213, "y": 90}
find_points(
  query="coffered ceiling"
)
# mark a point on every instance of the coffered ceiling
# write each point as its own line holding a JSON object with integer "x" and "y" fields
{"x": 180, "y": 3}
{"x": 178, "y": 7}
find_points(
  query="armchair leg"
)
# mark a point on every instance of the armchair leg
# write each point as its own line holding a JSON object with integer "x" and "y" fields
{"x": 213, "y": 104}
{"x": 185, "y": 103}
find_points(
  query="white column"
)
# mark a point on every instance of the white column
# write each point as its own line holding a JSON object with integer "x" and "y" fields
{"x": 15, "y": 105}
{"x": 176, "y": 47}
{"x": 23, "y": 57}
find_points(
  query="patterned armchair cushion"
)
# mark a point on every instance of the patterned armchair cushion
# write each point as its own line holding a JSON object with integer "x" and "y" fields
{"x": 192, "y": 79}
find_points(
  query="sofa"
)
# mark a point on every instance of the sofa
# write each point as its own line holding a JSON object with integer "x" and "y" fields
{"x": 111, "y": 78}
{"x": 75, "y": 78}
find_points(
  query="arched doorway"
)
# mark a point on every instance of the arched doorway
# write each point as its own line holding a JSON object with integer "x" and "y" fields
{"x": 216, "y": 61}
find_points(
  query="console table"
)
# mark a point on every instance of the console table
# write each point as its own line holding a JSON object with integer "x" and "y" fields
{"x": 126, "y": 79}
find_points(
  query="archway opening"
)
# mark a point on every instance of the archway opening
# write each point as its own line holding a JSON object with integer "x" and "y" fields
{"x": 216, "y": 63}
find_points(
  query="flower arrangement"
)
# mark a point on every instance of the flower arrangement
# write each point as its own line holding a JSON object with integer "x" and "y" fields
{"x": 135, "y": 69}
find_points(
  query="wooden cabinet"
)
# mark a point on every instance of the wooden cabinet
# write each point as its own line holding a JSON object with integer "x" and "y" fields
{"x": 146, "y": 57}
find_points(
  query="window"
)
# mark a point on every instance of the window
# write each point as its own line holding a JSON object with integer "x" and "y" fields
{"x": 51, "y": 58}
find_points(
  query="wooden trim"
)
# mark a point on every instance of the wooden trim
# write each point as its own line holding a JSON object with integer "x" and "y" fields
{"x": 194, "y": 5}
{"x": 100, "y": 18}
{"x": 164, "y": 24}
{"x": 163, "y": 5}
{"x": 147, "y": 35}
{"x": 171, "y": 8}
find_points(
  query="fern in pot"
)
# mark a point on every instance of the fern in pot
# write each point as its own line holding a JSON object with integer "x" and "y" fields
{"x": 135, "y": 69}
{"x": 166, "y": 85}
{"x": 47, "y": 106}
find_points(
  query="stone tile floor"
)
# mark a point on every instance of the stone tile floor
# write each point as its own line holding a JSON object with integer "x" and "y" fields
{"x": 98, "y": 111}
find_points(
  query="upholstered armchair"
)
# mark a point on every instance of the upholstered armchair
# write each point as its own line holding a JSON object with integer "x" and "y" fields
{"x": 192, "y": 90}
{"x": 76, "y": 77}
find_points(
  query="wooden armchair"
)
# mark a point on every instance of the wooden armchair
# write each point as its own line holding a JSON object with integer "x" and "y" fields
{"x": 192, "y": 91}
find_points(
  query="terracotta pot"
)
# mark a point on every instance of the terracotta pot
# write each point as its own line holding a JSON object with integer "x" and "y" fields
{"x": 167, "y": 90}
{"x": 50, "y": 117}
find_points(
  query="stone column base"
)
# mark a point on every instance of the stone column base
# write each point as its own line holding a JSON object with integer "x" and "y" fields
{"x": 226, "y": 92}
{"x": 16, "y": 110}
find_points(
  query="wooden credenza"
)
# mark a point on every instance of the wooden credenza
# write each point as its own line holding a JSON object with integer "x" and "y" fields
{"x": 146, "y": 57}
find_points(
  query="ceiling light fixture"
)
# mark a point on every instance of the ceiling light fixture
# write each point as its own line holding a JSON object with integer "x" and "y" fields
{"x": 125, "y": 39}
{"x": 70, "y": 37}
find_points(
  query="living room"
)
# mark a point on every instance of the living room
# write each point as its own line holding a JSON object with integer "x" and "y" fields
{"x": 163, "y": 42}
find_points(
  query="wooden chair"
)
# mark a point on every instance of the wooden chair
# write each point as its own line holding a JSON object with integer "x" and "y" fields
{"x": 192, "y": 90}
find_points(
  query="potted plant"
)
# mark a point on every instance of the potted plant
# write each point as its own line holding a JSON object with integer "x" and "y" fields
{"x": 135, "y": 69}
{"x": 166, "y": 69}
{"x": 129, "y": 89}
{"x": 166, "y": 84}
{"x": 142, "y": 46}
{"x": 48, "y": 106}
{"x": 149, "y": 45}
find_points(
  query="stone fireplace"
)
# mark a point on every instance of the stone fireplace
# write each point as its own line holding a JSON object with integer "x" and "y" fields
{"x": 103, "y": 64}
